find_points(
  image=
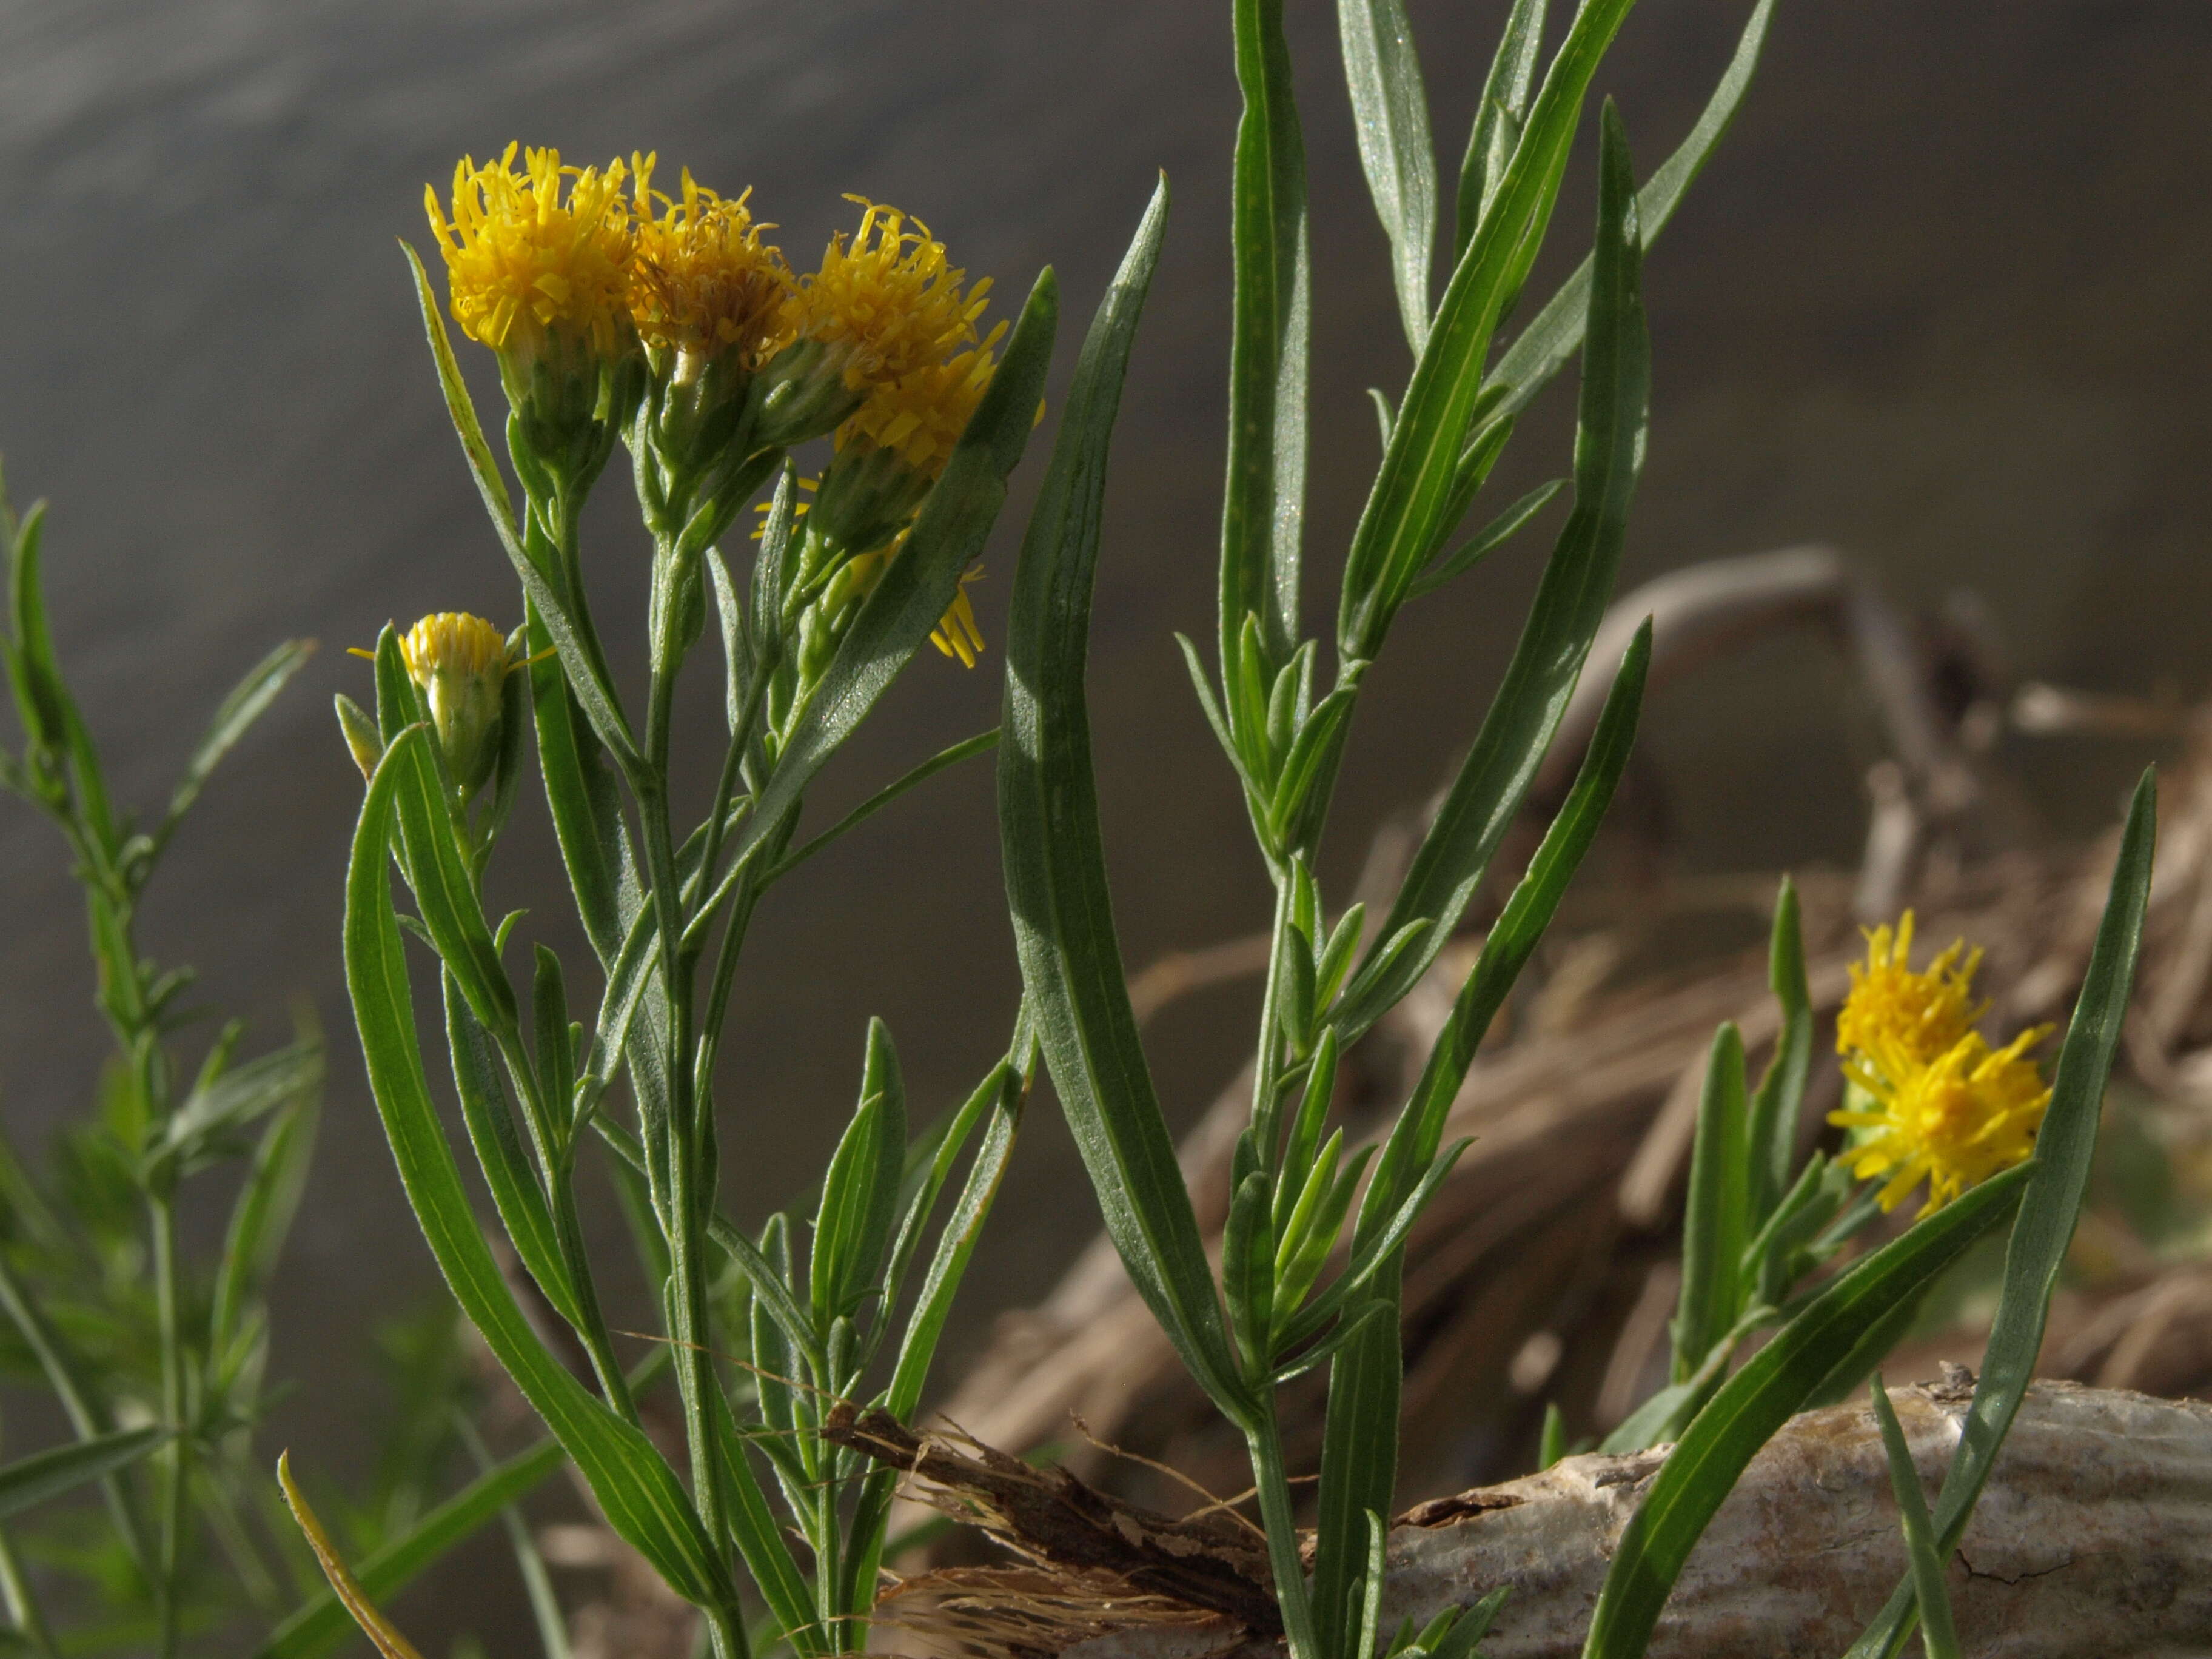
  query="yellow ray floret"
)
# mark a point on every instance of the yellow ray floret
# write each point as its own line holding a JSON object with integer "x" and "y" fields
{"x": 1920, "y": 1016}
{"x": 703, "y": 282}
{"x": 920, "y": 415}
{"x": 1954, "y": 1122}
{"x": 887, "y": 302}
{"x": 525, "y": 256}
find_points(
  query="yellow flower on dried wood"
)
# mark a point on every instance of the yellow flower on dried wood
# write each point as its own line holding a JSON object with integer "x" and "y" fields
{"x": 1921, "y": 1015}
{"x": 1954, "y": 1122}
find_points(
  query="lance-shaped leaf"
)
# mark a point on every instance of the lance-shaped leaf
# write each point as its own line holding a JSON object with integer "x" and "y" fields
{"x": 1780, "y": 1101}
{"x": 1497, "y": 118}
{"x": 2065, "y": 1146}
{"x": 32, "y": 1480}
{"x": 1570, "y": 603}
{"x": 1056, "y": 861}
{"x": 1554, "y": 334}
{"x": 1390, "y": 113}
{"x": 635, "y": 1488}
{"x": 859, "y": 1195}
{"x": 1775, "y": 1382}
{"x": 245, "y": 704}
{"x": 1713, "y": 1226}
{"x": 1263, "y": 501}
{"x": 1409, "y": 510}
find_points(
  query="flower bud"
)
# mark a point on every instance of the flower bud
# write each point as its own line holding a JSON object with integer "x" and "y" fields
{"x": 461, "y": 663}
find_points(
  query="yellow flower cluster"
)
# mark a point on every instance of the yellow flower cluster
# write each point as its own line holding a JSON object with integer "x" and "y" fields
{"x": 549, "y": 254}
{"x": 1932, "y": 1100}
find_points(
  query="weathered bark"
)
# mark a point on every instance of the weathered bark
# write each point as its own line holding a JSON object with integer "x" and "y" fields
{"x": 2093, "y": 1540}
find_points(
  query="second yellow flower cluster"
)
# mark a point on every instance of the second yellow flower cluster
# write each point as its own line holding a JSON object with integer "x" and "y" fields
{"x": 1931, "y": 1098}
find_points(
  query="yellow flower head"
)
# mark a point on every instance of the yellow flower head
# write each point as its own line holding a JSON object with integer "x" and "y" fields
{"x": 703, "y": 282}
{"x": 1955, "y": 1121}
{"x": 1916, "y": 1016}
{"x": 461, "y": 662}
{"x": 920, "y": 416}
{"x": 525, "y": 258}
{"x": 887, "y": 303}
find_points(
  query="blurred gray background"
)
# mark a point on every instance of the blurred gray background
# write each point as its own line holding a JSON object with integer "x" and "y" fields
{"x": 1942, "y": 299}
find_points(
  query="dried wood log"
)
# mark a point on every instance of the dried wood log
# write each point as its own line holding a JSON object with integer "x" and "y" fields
{"x": 2094, "y": 1538}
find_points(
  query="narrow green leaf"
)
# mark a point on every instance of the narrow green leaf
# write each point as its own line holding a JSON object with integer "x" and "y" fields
{"x": 261, "y": 1216}
{"x": 634, "y": 1486}
{"x": 1263, "y": 501}
{"x": 1779, "y": 1103}
{"x": 1571, "y": 601}
{"x": 1554, "y": 335}
{"x": 859, "y": 1195}
{"x": 2065, "y": 1146}
{"x": 1498, "y": 116}
{"x": 1370, "y": 1595}
{"x": 1940, "y": 1632}
{"x": 1299, "y": 1152}
{"x": 32, "y": 1480}
{"x": 981, "y": 743}
{"x": 1551, "y": 1443}
{"x": 321, "y": 1625}
{"x": 1471, "y": 1626}
{"x": 515, "y": 1191}
{"x": 1050, "y": 840}
{"x": 1405, "y": 514}
{"x": 955, "y": 1245}
{"x": 439, "y": 873}
{"x": 1699, "y": 1473}
{"x": 1486, "y": 541}
{"x": 1512, "y": 939}
{"x": 1248, "y": 1268}
{"x": 239, "y": 1096}
{"x": 1390, "y": 113}
{"x": 1359, "y": 1464}
{"x": 761, "y": 1540}
{"x": 238, "y": 712}
{"x": 1713, "y": 1223}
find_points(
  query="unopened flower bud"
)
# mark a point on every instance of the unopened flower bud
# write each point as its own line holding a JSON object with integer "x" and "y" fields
{"x": 461, "y": 663}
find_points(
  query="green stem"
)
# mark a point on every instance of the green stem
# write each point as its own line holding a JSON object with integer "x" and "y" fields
{"x": 1292, "y": 1593}
{"x": 162, "y": 1214}
{"x": 1267, "y": 1061}
{"x": 22, "y": 1608}
{"x": 691, "y": 1150}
